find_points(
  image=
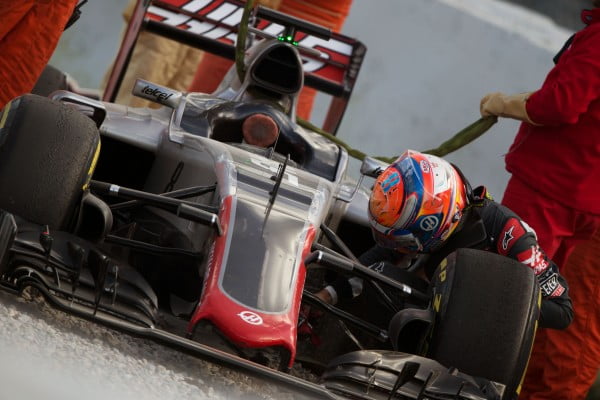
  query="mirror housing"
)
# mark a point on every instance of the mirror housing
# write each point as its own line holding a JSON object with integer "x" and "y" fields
{"x": 372, "y": 167}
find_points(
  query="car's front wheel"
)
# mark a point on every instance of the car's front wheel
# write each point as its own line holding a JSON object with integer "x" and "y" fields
{"x": 47, "y": 155}
{"x": 487, "y": 307}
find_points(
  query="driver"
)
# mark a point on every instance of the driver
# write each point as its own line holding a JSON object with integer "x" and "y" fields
{"x": 421, "y": 204}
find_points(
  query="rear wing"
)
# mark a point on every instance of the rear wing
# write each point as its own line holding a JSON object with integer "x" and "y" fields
{"x": 212, "y": 25}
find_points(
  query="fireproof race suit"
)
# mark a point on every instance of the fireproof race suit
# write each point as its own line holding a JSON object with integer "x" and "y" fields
{"x": 493, "y": 227}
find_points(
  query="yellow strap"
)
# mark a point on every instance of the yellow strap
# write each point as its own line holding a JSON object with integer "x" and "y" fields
{"x": 460, "y": 139}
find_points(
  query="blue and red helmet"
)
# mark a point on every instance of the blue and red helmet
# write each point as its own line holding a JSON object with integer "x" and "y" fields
{"x": 416, "y": 203}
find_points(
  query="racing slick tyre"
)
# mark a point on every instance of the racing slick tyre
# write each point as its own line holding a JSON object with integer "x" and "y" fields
{"x": 48, "y": 152}
{"x": 486, "y": 309}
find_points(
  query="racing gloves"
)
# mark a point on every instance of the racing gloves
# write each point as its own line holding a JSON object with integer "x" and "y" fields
{"x": 508, "y": 106}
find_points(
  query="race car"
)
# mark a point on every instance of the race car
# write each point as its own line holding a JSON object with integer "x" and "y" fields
{"x": 168, "y": 224}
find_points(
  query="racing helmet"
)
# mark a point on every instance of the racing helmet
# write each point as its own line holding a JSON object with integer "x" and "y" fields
{"x": 416, "y": 203}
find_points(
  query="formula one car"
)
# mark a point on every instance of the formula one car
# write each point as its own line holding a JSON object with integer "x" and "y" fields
{"x": 165, "y": 223}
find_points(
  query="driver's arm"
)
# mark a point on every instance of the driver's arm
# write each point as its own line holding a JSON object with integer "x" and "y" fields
{"x": 515, "y": 239}
{"x": 557, "y": 310}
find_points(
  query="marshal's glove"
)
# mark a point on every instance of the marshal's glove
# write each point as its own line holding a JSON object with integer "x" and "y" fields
{"x": 508, "y": 106}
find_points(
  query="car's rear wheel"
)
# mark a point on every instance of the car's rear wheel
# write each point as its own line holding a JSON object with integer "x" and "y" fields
{"x": 47, "y": 155}
{"x": 487, "y": 307}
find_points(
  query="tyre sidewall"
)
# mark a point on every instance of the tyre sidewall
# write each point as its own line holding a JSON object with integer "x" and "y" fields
{"x": 47, "y": 155}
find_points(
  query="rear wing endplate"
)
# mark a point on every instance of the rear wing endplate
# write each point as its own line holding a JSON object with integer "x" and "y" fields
{"x": 211, "y": 25}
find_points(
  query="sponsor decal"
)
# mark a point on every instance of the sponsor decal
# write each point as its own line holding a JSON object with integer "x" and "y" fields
{"x": 157, "y": 93}
{"x": 509, "y": 235}
{"x": 429, "y": 223}
{"x": 442, "y": 274}
{"x": 534, "y": 258}
{"x": 425, "y": 167}
{"x": 221, "y": 15}
{"x": 251, "y": 318}
{"x": 390, "y": 181}
{"x": 551, "y": 287}
{"x": 559, "y": 290}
